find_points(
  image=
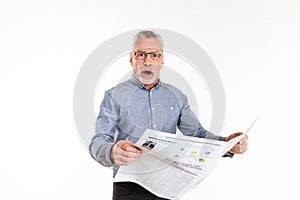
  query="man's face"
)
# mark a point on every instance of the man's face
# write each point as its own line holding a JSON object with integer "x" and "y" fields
{"x": 147, "y": 60}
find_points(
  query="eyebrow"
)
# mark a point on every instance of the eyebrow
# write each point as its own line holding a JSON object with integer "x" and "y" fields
{"x": 147, "y": 49}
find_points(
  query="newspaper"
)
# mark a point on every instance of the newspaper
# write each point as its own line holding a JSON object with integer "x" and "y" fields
{"x": 173, "y": 164}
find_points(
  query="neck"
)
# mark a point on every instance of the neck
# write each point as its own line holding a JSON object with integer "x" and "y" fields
{"x": 150, "y": 86}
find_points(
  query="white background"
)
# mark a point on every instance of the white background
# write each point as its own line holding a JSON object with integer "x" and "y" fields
{"x": 254, "y": 45}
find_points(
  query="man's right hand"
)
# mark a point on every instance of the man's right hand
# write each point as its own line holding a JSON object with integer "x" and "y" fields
{"x": 125, "y": 153}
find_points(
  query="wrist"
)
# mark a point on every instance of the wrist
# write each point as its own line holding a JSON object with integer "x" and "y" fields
{"x": 112, "y": 153}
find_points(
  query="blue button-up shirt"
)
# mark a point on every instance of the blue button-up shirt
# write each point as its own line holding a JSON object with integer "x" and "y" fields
{"x": 129, "y": 108}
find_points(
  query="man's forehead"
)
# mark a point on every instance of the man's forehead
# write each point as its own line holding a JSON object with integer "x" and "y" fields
{"x": 148, "y": 49}
{"x": 147, "y": 44}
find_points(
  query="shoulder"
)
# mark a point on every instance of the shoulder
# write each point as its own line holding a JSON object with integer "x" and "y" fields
{"x": 181, "y": 97}
{"x": 120, "y": 86}
{"x": 121, "y": 90}
{"x": 173, "y": 89}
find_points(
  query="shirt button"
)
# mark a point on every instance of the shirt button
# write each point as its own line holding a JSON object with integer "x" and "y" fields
{"x": 172, "y": 108}
{"x": 150, "y": 92}
{"x": 154, "y": 126}
{"x": 153, "y": 108}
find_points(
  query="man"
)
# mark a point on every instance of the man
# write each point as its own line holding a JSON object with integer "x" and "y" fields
{"x": 143, "y": 102}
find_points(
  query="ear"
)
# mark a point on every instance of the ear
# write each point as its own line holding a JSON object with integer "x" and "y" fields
{"x": 131, "y": 62}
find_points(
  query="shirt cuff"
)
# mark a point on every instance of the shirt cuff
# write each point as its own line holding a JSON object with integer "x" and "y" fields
{"x": 228, "y": 154}
{"x": 221, "y": 138}
{"x": 109, "y": 160}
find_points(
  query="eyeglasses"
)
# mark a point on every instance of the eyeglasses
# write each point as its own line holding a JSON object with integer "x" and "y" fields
{"x": 141, "y": 55}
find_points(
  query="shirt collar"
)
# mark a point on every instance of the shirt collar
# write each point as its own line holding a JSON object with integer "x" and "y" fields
{"x": 139, "y": 84}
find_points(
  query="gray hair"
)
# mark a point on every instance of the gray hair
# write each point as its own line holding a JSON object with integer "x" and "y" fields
{"x": 148, "y": 34}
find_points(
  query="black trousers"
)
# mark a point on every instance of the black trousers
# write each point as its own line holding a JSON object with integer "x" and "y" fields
{"x": 132, "y": 191}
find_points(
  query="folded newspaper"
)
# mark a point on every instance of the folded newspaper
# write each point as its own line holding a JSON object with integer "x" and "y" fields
{"x": 173, "y": 164}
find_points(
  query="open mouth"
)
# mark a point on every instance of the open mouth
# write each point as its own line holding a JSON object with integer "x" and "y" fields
{"x": 147, "y": 73}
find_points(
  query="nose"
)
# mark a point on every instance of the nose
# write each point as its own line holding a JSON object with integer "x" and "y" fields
{"x": 148, "y": 60}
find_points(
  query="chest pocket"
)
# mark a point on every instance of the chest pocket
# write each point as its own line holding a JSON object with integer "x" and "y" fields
{"x": 172, "y": 117}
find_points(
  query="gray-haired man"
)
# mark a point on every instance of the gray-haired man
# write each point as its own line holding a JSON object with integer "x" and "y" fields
{"x": 143, "y": 102}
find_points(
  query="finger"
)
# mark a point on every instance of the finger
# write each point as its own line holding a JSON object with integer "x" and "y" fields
{"x": 237, "y": 134}
{"x": 131, "y": 148}
{"x": 239, "y": 148}
{"x": 124, "y": 157}
{"x": 123, "y": 160}
{"x": 128, "y": 154}
{"x": 121, "y": 163}
{"x": 244, "y": 139}
{"x": 124, "y": 153}
{"x": 234, "y": 135}
{"x": 126, "y": 160}
{"x": 128, "y": 146}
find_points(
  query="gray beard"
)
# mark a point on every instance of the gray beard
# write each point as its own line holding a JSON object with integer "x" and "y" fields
{"x": 146, "y": 81}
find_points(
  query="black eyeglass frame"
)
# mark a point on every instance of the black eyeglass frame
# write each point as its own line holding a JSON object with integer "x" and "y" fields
{"x": 152, "y": 54}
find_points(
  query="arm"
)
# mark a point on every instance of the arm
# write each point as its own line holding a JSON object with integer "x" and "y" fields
{"x": 101, "y": 144}
{"x": 189, "y": 125}
{"x": 103, "y": 147}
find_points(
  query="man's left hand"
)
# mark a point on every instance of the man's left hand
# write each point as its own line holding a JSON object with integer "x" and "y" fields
{"x": 241, "y": 146}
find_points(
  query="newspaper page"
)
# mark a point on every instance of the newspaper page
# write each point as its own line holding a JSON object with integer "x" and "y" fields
{"x": 173, "y": 164}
